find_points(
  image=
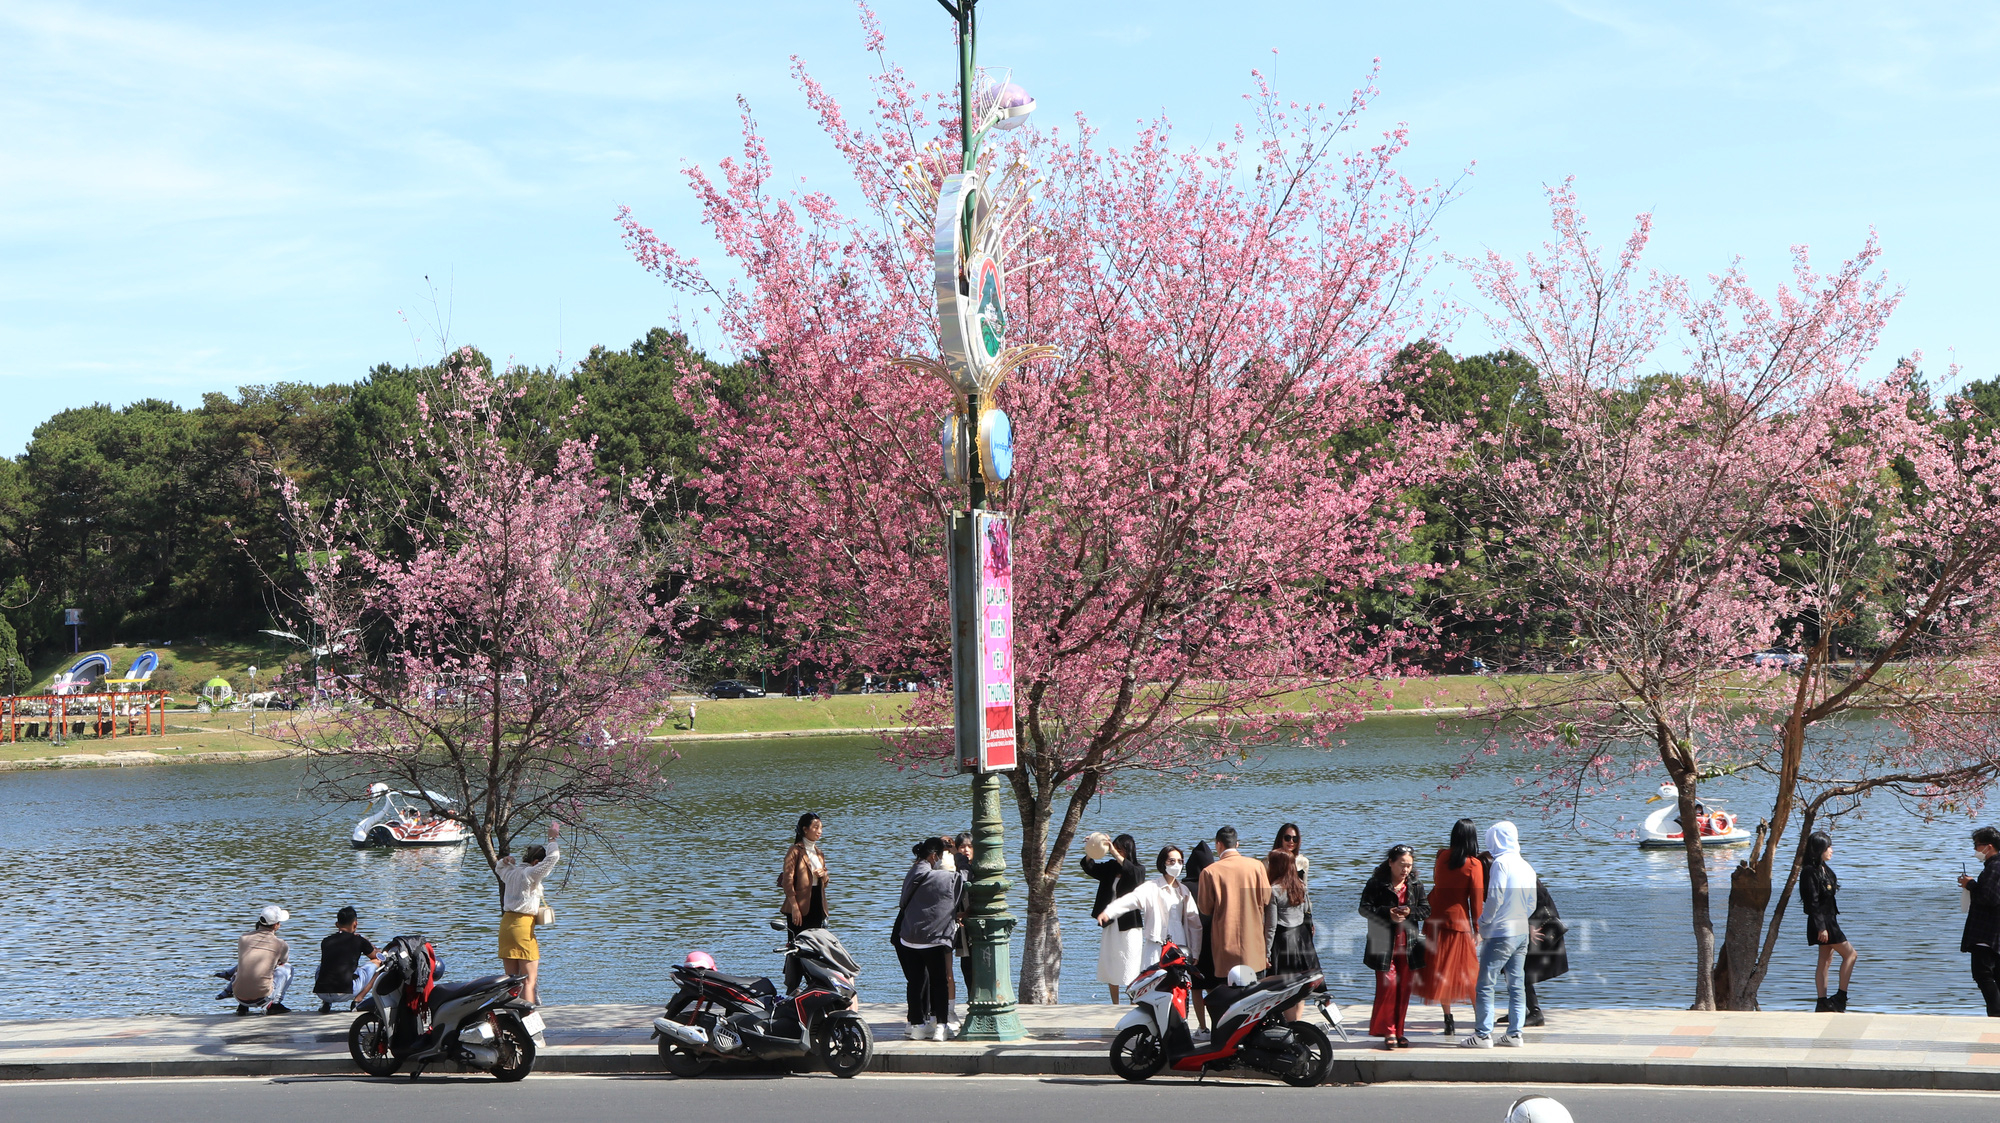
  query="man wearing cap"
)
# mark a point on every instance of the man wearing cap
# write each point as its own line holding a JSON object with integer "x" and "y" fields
{"x": 263, "y": 965}
{"x": 340, "y": 957}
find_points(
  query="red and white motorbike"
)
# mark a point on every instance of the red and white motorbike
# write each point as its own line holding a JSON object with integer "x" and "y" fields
{"x": 1247, "y": 1014}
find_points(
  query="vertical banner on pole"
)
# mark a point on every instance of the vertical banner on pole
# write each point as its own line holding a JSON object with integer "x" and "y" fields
{"x": 982, "y": 564}
{"x": 996, "y": 639}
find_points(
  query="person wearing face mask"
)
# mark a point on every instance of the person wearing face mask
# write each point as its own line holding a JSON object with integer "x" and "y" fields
{"x": 1166, "y": 912}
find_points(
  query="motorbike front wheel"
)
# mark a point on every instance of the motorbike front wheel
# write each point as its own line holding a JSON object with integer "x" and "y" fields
{"x": 845, "y": 1046}
{"x": 1315, "y": 1055}
{"x": 1137, "y": 1053}
{"x": 681, "y": 1061}
{"x": 516, "y": 1049}
{"x": 368, "y": 1044}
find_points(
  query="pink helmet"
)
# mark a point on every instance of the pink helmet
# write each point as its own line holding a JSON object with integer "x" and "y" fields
{"x": 700, "y": 959}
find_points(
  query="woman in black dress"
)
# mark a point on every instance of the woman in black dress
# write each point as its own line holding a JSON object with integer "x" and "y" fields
{"x": 1817, "y": 890}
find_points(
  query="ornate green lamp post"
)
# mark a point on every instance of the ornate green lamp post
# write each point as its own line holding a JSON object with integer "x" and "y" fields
{"x": 976, "y": 209}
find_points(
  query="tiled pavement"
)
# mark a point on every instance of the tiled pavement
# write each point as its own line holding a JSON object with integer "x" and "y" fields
{"x": 1856, "y": 1050}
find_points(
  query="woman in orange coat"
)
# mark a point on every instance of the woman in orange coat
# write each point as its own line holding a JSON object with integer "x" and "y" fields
{"x": 1458, "y": 886}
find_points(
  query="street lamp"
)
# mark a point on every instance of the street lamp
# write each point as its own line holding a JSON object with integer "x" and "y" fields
{"x": 977, "y": 211}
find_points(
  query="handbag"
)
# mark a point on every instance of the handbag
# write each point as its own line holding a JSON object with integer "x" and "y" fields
{"x": 545, "y": 916}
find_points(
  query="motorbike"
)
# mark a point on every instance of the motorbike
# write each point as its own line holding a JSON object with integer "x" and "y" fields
{"x": 733, "y": 1017}
{"x": 410, "y": 1018}
{"x": 1247, "y": 1016}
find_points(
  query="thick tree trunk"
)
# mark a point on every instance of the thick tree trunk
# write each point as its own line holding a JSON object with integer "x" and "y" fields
{"x": 1739, "y": 970}
{"x": 1041, "y": 947}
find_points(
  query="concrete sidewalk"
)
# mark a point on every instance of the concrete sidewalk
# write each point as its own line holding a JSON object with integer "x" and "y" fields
{"x": 1854, "y": 1050}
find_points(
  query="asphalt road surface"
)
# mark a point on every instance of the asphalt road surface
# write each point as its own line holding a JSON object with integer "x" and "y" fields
{"x": 881, "y": 1099}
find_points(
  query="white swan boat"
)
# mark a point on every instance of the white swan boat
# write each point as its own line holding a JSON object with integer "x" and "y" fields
{"x": 1663, "y": 827}
{"x": 399, "y": 819}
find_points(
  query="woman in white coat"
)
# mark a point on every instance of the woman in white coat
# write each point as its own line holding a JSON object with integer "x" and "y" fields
{"x": 1166, "y": 911}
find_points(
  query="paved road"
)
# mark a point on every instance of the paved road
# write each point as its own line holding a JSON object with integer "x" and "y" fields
{"x": 875, "y": 1099}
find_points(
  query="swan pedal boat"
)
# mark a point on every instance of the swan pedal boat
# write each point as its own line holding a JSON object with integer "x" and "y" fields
{"x": 1718, "y": 827}
{"x": 400, "y": 819}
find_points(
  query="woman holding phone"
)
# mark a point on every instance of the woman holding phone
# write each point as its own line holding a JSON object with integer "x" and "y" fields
{"x": 1818, "y": 888}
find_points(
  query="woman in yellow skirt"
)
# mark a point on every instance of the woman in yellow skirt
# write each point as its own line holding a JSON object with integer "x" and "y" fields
{"x": 522, "y": 879}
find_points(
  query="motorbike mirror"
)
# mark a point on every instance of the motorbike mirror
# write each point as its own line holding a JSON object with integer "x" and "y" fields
{"x": 777, "y": 925}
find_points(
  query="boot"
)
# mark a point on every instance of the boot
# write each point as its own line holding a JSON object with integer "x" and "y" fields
{"x": 1822, "y": 1005}
{"x": 1534, "y": 1020}
{"x": 1450, "y": 1027}
{"x": 1839, "y": 1002}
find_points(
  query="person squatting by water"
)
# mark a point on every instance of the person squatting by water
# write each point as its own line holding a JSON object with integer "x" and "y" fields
{"x": 1450, "y": 966}
{"x": 521, "y": 904}
{"x": 927, "y": 914}
{"x": 1981, "y": 939}
{"x": 263, "y": 965}
{"x": 346, "y": 962}
{"x": 1818, "y": 890}
{"x": 803, "y": 877}
{"x": 1503, "y": 923}
{"x": 1166, "y": 911}
{"x": 1397, "y": 908}
{"x": 1115, "y": 866}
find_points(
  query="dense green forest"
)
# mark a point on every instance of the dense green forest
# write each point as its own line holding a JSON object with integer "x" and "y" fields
{"x": 163, "y": 524}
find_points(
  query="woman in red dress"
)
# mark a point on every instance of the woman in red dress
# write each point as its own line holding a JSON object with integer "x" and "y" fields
{"x": 1396, "y": 908}
{"x": 1458, "y": 887}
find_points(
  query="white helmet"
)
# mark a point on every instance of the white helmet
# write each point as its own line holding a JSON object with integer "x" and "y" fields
{"x": 1538, "y": 1109}
{"x": 1241, "y": 975}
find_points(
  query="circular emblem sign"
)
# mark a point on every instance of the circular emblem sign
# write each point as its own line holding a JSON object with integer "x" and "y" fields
{"x": 996, "y": 445}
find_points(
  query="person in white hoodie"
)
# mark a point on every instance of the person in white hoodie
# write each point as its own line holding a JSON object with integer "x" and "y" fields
{"x": 1503, "y": 930}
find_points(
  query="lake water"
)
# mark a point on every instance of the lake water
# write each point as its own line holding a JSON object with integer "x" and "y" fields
{"x": 130, "y": 886}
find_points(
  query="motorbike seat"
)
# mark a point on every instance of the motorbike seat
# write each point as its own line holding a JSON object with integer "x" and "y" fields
{"x": 445, "y": 992}
{"x": 1223, "y": 997}
{"x": 758, "y": 988}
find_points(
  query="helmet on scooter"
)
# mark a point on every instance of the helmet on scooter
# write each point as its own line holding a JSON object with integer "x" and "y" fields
{"x": 1241, "y": 975}
{"x": 700, "y": 959}
{"x": 1538, "y": 1109}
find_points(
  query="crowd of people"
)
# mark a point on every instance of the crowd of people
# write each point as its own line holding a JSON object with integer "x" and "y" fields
{"x": 1486, "y": 921}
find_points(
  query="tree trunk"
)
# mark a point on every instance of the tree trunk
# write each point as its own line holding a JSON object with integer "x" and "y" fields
{"x": 1739, "y": 972}
{"x": 1041, "y": 947}
{"x": 1704, "y": 927}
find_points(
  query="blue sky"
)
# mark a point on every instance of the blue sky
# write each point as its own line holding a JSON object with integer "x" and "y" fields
{"x": 202, "y": 195}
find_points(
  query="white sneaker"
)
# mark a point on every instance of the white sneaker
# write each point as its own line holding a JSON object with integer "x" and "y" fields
{"x": 951, "y": 1030}
{"x": 1511, "y": 1041}
{"x": 941, "y": 1032}
{"x": 921, "y": 1031}
{"x": 1475, "y": 1042}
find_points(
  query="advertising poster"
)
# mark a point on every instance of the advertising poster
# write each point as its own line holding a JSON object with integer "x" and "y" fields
{"x": 993, "y": 535}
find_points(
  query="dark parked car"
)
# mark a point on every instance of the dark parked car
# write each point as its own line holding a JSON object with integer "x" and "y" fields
{"x": 730, "y": 688}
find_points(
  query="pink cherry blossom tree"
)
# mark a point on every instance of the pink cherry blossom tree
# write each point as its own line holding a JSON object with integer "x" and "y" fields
{"x": 1209, "y": 471}
{"x": 1889, "y": 569}
{"x": 1646, "y": 513}
{"x": 502, "y": 644}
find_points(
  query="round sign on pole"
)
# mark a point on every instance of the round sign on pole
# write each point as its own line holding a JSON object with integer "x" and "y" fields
{"x": 951, "y": 444}
{"x": 996, "y": 445}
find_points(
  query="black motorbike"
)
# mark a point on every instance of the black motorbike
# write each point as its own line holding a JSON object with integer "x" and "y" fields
{"x": 408, "y": 1017}
{"x": 732, "y": 1017}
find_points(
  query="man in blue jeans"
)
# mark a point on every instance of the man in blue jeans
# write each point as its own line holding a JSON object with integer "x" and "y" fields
{"x": 1503, "y": 930}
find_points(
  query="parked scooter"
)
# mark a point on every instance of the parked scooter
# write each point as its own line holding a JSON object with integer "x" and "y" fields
{"x": 716, "y": 1016}
{"x": 409, "y": 1018}
{"x": 1247, "y": 1015}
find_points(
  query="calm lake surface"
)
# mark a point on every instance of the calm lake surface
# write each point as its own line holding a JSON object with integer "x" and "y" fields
{"x": 130, "y": 886}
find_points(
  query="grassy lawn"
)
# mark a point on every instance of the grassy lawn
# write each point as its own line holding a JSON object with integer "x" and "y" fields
{"x": 186, "y": 733}
{"x": 776, "y": 715}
